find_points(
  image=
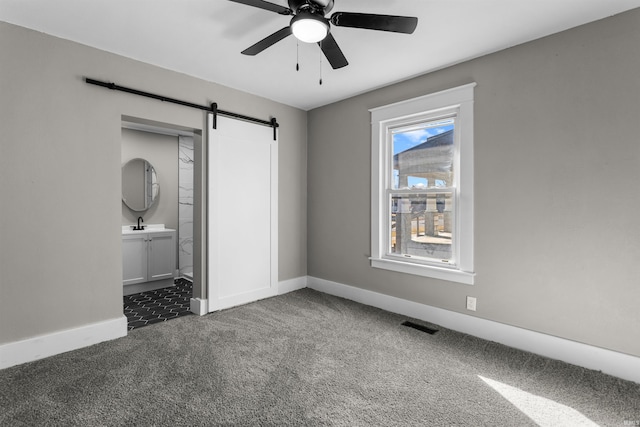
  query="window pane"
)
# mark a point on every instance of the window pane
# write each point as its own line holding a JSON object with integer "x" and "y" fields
{"x": 423, "y": 155}
{"x": 422, "y": 225}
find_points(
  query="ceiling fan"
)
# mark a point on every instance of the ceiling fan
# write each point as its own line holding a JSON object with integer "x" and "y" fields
{"x": 310, "y": 25}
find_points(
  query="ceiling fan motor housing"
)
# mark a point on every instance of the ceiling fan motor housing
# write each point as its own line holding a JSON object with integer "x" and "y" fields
{"x": 316, "y": 6}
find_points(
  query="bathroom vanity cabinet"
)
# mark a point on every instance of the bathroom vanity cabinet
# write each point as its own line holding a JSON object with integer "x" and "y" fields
{"x": 148, "y": 256}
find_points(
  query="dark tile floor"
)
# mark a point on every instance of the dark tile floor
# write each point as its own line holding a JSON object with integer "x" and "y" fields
{"x": 160, "y": 305}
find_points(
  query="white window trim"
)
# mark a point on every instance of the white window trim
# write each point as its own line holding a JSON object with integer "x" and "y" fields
{"x": 460, "y": 98}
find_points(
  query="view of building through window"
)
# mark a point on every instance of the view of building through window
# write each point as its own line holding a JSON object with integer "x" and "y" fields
{"x": 422, "y": 190}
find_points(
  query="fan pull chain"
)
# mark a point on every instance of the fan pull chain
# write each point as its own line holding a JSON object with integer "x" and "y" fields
{"x": 297, "y": 56}
{"x": 320, "y": 69}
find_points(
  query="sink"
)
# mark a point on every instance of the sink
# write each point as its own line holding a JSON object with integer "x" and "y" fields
{"x": 129, "y": 230}
{"x": 150, "y": 228}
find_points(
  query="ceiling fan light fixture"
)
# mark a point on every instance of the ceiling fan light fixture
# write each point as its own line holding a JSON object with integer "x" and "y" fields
{"x": 309, "y": 27}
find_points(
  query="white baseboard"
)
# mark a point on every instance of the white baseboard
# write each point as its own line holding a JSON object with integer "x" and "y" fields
{"x": 610, "y": 362}
{"x": 198, "y": 306}
{"x": 39, "y": 347}
{"x": 147, "y": 286}
{"x": 291, "y": 285}
{"x": 241, "y": 299}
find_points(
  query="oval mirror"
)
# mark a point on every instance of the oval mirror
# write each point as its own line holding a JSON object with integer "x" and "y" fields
{"x": 140, "y": 186}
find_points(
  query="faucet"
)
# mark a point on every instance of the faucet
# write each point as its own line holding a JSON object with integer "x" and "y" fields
{"x": 139, "y": 227}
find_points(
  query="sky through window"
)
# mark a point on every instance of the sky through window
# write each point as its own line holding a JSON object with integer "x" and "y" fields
{"x": 405, "y": 140}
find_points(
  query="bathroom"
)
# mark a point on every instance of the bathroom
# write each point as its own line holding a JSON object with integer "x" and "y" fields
{"x": 167, "y": 155}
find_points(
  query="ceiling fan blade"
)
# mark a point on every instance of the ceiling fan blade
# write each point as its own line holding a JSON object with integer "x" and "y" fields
{"x": 267, "y": 42}
{"x": 368, "y": 21}
{"x": 333, "y": 53}
{"x": 266, "y": 6}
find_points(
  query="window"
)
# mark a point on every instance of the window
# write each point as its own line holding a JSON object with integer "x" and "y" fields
{"x": 422, "y": 186}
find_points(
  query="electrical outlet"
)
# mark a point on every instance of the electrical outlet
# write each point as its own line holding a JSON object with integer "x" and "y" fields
{"x": 471, "y": 303}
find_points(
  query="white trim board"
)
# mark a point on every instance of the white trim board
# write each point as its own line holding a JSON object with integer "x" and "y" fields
{"x": 199, "y": 306}
{"x": 283, "y": 287}
{"x": 39, "y": 347}
{"x": 290, "y": 285}
{"x": 608, "y": 361}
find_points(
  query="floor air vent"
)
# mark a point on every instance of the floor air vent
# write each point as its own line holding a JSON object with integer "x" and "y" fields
{"x": 419, "y": 327}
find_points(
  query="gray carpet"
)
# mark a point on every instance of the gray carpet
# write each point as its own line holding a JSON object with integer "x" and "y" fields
{"x": 309, "y": 359}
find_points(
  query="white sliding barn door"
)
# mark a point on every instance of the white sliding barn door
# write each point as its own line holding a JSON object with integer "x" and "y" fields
{"x": 242, "y": 213}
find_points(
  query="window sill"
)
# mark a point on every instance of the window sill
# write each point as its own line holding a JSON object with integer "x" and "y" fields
{"x": 424, "y": 270}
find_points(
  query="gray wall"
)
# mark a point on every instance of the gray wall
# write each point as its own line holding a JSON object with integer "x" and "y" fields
{"x": 557, "y": 164}
{"x": 60, "y": 249}
{"x": 162, "y": 152}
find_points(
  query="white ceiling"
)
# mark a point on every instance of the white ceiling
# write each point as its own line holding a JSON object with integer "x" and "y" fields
{"x": 204, "y": 38}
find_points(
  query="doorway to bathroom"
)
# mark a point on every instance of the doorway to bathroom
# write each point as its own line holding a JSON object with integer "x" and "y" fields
{"x": 158, "y": 225}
